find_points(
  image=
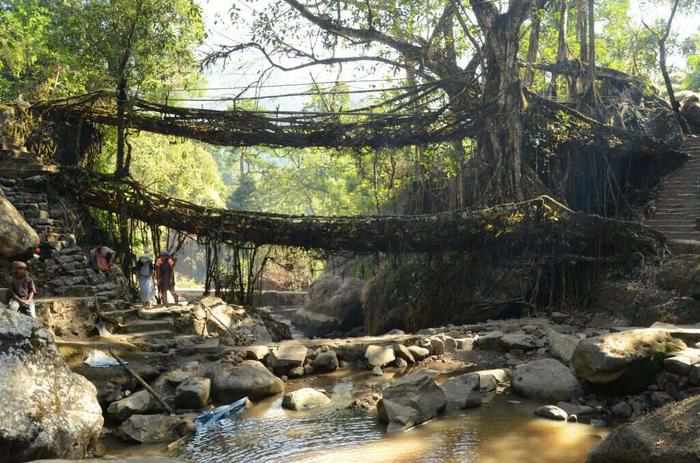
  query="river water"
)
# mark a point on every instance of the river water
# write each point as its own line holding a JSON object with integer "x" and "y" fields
{"x": 503, "y": 430}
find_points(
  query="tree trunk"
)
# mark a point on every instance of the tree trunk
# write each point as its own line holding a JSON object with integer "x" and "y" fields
{"x": 562, "y": 50}
{"x": 500, "y": 140}
{"x": 664, "y": 71}
{"x": 582, "y": 36}
{"x": 591, "y": 54}
{"x": 121, "y": 126}
{"x": 533, "y": 46}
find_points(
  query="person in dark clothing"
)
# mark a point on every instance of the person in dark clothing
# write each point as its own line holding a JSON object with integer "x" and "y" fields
{"x": 22, "y": 290}
{"x": 165, "y": 277}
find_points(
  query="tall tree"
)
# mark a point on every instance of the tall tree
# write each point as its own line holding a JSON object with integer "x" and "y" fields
{"x": 142, "y": 46}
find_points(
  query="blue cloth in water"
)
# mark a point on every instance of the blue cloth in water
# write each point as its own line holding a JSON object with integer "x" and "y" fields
{"x": 206, "y": 419}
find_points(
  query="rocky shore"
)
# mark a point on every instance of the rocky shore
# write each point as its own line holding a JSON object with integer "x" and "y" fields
{"x": 649, "y": 377}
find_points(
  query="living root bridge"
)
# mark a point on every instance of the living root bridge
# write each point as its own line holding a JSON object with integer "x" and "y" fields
{"x": 542, "y": 225}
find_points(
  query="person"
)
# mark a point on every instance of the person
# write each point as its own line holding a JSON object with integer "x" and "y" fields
{"x": 144, "y": 270}
{"x": 22, "y": 290}
{"x": 102, "y": 258}
{"x": 165, "y": 277}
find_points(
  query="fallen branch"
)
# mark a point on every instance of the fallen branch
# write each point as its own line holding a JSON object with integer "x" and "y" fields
{"x": 143, "y": 382}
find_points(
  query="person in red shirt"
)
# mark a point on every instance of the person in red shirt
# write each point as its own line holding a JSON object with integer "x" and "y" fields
{"x": 165, "y": 277}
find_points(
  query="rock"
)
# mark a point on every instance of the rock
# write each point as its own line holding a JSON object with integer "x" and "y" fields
{"x": 377, "y": 371}
{"x": 622, "y": 410}
{"x": 461, "y": 391}
{"x": 465, "y": 344}
{"x": 289, "y": 355}
{"x": 193, "y": 393}
{"x": 545, "y": 379}
{"x": 410, "y": 401}
{"x": 518, "y": 341}
{"x": 257, "y": 352}
{"x": 378, "y": 356}
{"x": 680, "y": 273}
{"x": 16, "y": 235}
{"x": 325, "y": 362}
{"x": 305, "y": 399}
{"x": 694, "y": 375}
{"x": 559, "y": 317}
{"x": 249, "y": 379}
{"x": 437, "y": 346}
{"x": 138, "y": 403}
{"x": 552, "y": 413}
{"x": 339, "y": 299}
{"x": 562, "y": 346}
{"x": 450, "y": 344}
{"x": 402, "y": 352}
{"x": 297, "y": 372}
{"x": 660, "y": 398}
{"x": 580, "y": 411}
{"x": 490, "y": 341}
{"x": 419, "y": 353}
{"x": 681, "y": 363}
{"x": 155, "y": 429}
{"x": 48, "y": 411}
{"x": 668, "y": 435}
{"x": 604, "y": 359}
{"x": 400, "y": 363}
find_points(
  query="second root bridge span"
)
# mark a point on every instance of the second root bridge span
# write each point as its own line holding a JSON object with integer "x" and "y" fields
{"x": 541, "y": 223}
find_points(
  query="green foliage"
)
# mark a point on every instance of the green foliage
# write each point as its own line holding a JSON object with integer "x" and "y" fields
{"x": 59, "y": 48}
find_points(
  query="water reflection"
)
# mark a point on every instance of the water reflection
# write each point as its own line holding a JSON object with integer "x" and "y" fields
{"x": 498, "y": 432}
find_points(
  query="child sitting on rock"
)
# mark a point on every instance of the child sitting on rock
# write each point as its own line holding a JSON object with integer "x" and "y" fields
{"x": 22, "y": 290}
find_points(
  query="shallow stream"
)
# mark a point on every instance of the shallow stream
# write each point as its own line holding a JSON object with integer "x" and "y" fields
{"x": 503, "y": 430}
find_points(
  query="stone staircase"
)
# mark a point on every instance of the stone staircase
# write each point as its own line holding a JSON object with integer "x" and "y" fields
{"x": 678, "y": 202}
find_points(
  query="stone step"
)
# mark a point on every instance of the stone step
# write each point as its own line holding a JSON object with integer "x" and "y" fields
{"x": 160, "y": 312}
{"x": 146, "y": 326}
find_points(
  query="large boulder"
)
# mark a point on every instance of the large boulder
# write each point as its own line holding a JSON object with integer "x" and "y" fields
{"x": 545, "y": 379}
{"x": 305, "y": 399}
{"x": 248, "y": 379}
{"x": 339, "y": 298}
{"x": 562, "y": 346}
{"x": 682, "y": 274}
{"x": 193, "y": 393}
{"x": 138, "y": 403}
{"x": 325, "y": 362}
{"x": 410, "y": 401}
{"x": 16, "y": 235}
{"x": 288, "y": 356}
{"x": 669, "y": 435}
{"x": 606, "y": 359}
{"x": 48, "y": 411}
{"x": 154, "y": 429}
{"x": 378, "y": 356}
{"x": 462, "y": 391}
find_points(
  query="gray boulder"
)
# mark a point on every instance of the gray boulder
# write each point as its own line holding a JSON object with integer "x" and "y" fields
{"x": 402, "y": 352}
{"x": 419, "y": 353}
{"x": 325, "y": 362}
{"x": 155, "y": 429}
{"x": 378, "y": 356}
{"x": 248, "y": 379}
{"x": 16, "y": 235}
{"x": 462, "y": 392}
{"x": 305, "y": 399}
{"x": 668, "y": 435}
{"x": 289, "y": 355}
{"x": 193, "y": 393}
{"x": 138, "y": 403}
{"x": 490, "y": 340}
{"x": 257, "y": 352}
{"x": 552, "y": 412}
{"x": 410, "y": 401}
{"x": 48, "y": 411}
{"x": 545, "y": 379}
{"x": 518, "y": 341}
{"x": 605, "y": 359}
{"x": 562, "y": 346}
